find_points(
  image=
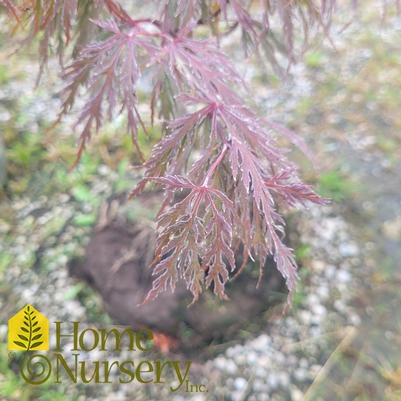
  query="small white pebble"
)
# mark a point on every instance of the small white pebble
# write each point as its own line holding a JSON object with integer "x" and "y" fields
{"x": 240, "y": 383}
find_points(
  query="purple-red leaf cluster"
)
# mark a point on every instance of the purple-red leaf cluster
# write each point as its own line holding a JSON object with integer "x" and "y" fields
{"x": 223, "y": 172}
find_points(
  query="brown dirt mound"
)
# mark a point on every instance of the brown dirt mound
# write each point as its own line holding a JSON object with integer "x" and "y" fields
{"x": 116, "y": 264}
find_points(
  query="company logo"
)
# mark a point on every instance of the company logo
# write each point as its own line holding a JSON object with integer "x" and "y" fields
{"x": 29, "y": 331}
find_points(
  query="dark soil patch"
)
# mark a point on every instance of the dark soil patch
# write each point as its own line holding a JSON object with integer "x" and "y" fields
{"x": 116, "y": 264}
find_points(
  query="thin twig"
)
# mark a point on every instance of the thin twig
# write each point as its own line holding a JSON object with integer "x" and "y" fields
{"x": 350, "y": 333}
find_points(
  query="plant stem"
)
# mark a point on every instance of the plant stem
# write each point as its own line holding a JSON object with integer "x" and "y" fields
{"x": 214, "y": 166}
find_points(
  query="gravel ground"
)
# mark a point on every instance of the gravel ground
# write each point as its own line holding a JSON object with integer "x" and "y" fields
{"x": 278, "y": 364}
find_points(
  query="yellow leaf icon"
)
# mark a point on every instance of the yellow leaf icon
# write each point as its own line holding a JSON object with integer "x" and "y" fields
{"x": 28, "y": 330}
